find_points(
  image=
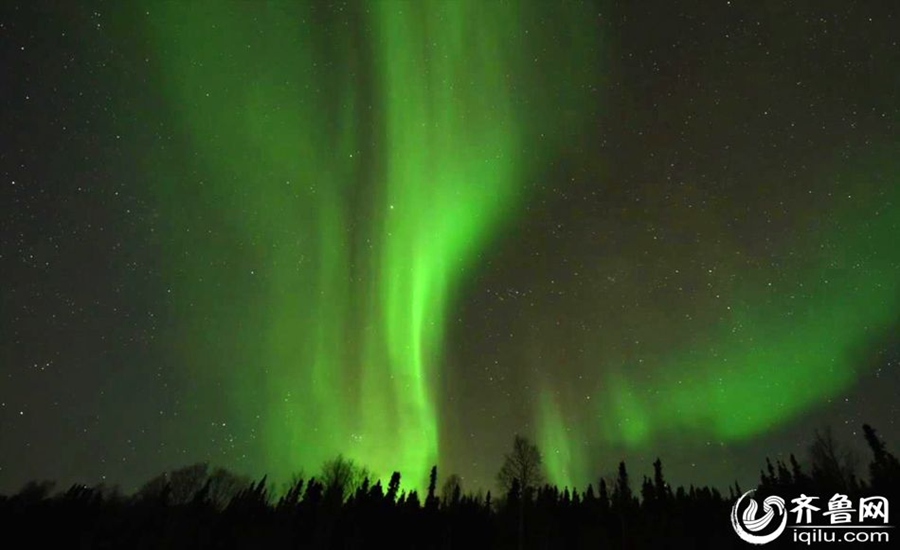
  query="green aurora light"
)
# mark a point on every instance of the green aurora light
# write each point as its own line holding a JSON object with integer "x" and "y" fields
{"x": 776, "y": 352}
{"x": 363, "y": 172}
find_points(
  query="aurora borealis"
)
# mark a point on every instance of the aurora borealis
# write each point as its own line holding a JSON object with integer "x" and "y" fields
{"x": 350, "y": 320}
{"x": 265, "y": 234}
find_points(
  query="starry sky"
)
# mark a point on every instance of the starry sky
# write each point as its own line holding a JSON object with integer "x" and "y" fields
{"x": 263, "y": 234}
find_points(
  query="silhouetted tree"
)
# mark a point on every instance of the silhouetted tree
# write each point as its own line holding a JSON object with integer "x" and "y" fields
{"x": 178, "y": 486}
{"x": 801, "y": 480}
{"x": 603, "y": 500}
{"x": 412, "y": 501}
{"x": 251, "y": 500}
{"x": 622, "y": 495}
{"x": 884, "y": 470}
{"x": 393, "y": 487}
{"x": 648, "y": 494}
{"x": 431, "y": 501}
{"x": 377, "y": 491}
{"x": 589, "y": 496}
{"x": 34, "y": 492}
{"x": 186, "y": 482}
{"x": 292, "y": 494}
{"x": 452, "y": 490}
{"x": 341, "y": 477}
{"x": 662, "y": 491}
{"x": 833, "y": 467}
{"x": 524, "y": 464}
{"x": 223, "y": 485}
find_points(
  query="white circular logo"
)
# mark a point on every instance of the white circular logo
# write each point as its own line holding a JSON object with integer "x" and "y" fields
{"x": 748, "y": 523}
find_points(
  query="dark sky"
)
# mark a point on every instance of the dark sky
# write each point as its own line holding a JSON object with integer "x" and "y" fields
{"x": 262, "y": 235}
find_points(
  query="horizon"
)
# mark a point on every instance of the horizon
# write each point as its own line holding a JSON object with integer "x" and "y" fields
{"x": 280, "y": 485}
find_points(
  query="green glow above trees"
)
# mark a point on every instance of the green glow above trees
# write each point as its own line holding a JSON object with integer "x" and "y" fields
{"x": 346, "y": 174}
{"x": 777, "y": 352}
{"x": 361, "y": 172}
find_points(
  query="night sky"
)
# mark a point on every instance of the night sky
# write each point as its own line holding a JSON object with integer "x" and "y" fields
{"x": 262, "y": 234}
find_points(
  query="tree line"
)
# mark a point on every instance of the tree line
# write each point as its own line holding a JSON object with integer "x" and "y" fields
{"x": 345, "y": 507}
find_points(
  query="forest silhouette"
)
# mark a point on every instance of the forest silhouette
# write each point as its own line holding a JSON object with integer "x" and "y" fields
{"x": 343, "y": 507}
